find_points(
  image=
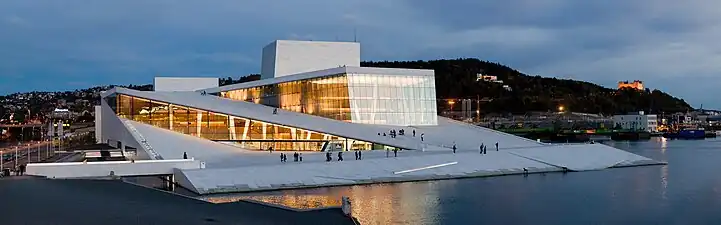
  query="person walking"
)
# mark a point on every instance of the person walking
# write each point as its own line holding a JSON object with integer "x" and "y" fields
{"x": 281, "y": 157}
{"x": 356, "y": 155}
{"x": 360, "y": 155}
{"x": 395, "y": 152}
{"x": 185, "y": 155}
{"x": 454, "y": 148}
{"x": 340, "y": 156}
{"x": 484, "y": 149}
{"x": 496, "y": 146}
{"x": 22, "y": 169}
{"x": 414, "y": 132}
{"x": 300, "y": 157}
{"x": 481, "y": 149}
{"x": 422, "y": 134}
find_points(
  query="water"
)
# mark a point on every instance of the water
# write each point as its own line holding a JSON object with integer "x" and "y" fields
{"x": 686, "y": 191}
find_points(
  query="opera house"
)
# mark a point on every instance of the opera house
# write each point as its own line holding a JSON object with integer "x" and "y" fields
{"x": 315, "y": 98}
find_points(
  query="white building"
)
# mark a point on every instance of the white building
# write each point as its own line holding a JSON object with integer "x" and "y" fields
{"x": 487, "y": 78}
{"x": 310, "y": 105}
{"x": 639, "y": 121}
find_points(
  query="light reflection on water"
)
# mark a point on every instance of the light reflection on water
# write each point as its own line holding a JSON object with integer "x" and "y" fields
{"x": 687, "y": 191}
{"x": 399, "y": 203}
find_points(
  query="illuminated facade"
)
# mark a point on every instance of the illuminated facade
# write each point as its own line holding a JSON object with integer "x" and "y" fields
{"x": 294, "y": 107}
{"x": 351, "y": 94}
{"x": 239, "y": 131}
{"x": 636, "y": 84}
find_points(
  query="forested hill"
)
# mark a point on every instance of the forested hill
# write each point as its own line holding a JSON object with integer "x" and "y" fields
{"x": 457, "y": 79}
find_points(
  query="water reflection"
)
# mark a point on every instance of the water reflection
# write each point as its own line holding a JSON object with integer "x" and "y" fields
{"x": 401, "y": 203}
{"x": 687, "y": 191}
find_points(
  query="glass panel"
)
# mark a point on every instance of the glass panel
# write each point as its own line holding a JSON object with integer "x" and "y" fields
{"x": 125, "y": 105}
{"x": 255, "y": 131}
{"x": 218, "y": 128}
{"x": 180, "y": 119}
{"x": 159, "y": 114}
{"x": 193, "y": 123}
{"x": 141, "y": 110}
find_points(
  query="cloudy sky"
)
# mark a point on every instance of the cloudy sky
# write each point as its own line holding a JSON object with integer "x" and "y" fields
{"x": 672, "y": 45}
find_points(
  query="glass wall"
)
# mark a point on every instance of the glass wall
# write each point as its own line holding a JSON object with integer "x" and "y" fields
{"x": 392, "y": 99}
{"x": 249, "y": 134}
{"x": 324, "y": 96}
{"x": 360, "y": 98}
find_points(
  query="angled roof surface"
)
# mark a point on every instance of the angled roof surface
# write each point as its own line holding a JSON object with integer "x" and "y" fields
{"x": 364, "y": 132}
{"x": 322, "y": 73}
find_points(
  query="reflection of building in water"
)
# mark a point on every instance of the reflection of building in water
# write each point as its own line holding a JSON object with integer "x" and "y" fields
{"x": 371, "y": 204}
{"x": 293, "y": 201}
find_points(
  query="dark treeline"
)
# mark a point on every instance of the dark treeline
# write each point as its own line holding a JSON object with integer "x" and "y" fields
{"x": 230, "y": 80}
{"x": 457, "y": 79}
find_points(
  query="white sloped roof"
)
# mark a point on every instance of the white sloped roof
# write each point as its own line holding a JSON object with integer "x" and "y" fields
{"x": 364, "y": 132}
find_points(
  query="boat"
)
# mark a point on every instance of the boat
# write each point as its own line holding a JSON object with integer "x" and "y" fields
{"x": 698, "y": 133}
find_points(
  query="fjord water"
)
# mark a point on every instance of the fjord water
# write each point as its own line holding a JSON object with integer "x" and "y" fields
{"x": 686, "y": 191}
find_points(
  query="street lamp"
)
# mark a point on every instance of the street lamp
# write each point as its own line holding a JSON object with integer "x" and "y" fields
{"x": 451, "y": 102}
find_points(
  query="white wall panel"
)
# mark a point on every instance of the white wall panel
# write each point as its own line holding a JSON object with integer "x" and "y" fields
{"x": 293, "y": 57}
{"x": 184, "y": 83}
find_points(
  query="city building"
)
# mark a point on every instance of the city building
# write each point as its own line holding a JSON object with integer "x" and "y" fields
{"x": 487, "y": 78}
{"x": 636, "y": 84}
{"x": 637, "y": 121}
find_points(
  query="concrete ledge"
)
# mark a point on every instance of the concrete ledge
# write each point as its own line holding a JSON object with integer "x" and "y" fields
{"x": 380, "y": 180}
{"x": 118, "y": 168}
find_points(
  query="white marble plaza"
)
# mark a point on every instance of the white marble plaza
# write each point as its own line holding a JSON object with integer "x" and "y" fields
{"x": 230, "y": 169}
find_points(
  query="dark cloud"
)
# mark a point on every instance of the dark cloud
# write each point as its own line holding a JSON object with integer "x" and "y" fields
{"x": 100, "y": 42}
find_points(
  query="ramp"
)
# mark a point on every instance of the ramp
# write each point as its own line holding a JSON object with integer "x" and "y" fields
{"x": 580, "y": 157}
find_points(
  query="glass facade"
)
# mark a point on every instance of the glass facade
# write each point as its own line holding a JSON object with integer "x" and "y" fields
{"x": 392, "y": 99}
{"x": 243, "y": 132}
{"x": 325, "y": 96}
{"x": 360, "y": 98}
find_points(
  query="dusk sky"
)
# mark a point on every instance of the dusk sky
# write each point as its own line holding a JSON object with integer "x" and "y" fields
{"x": 671, "y": 45}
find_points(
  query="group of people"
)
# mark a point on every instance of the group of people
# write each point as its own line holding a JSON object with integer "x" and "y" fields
{"x": 395, "y": 152}
{"x": 329, "y": 158}
{"x": 297, "y": 157}
{"x": 358, "y": 155}
{"x": 483, "y": 148}
{"x": 394, "y": 134}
